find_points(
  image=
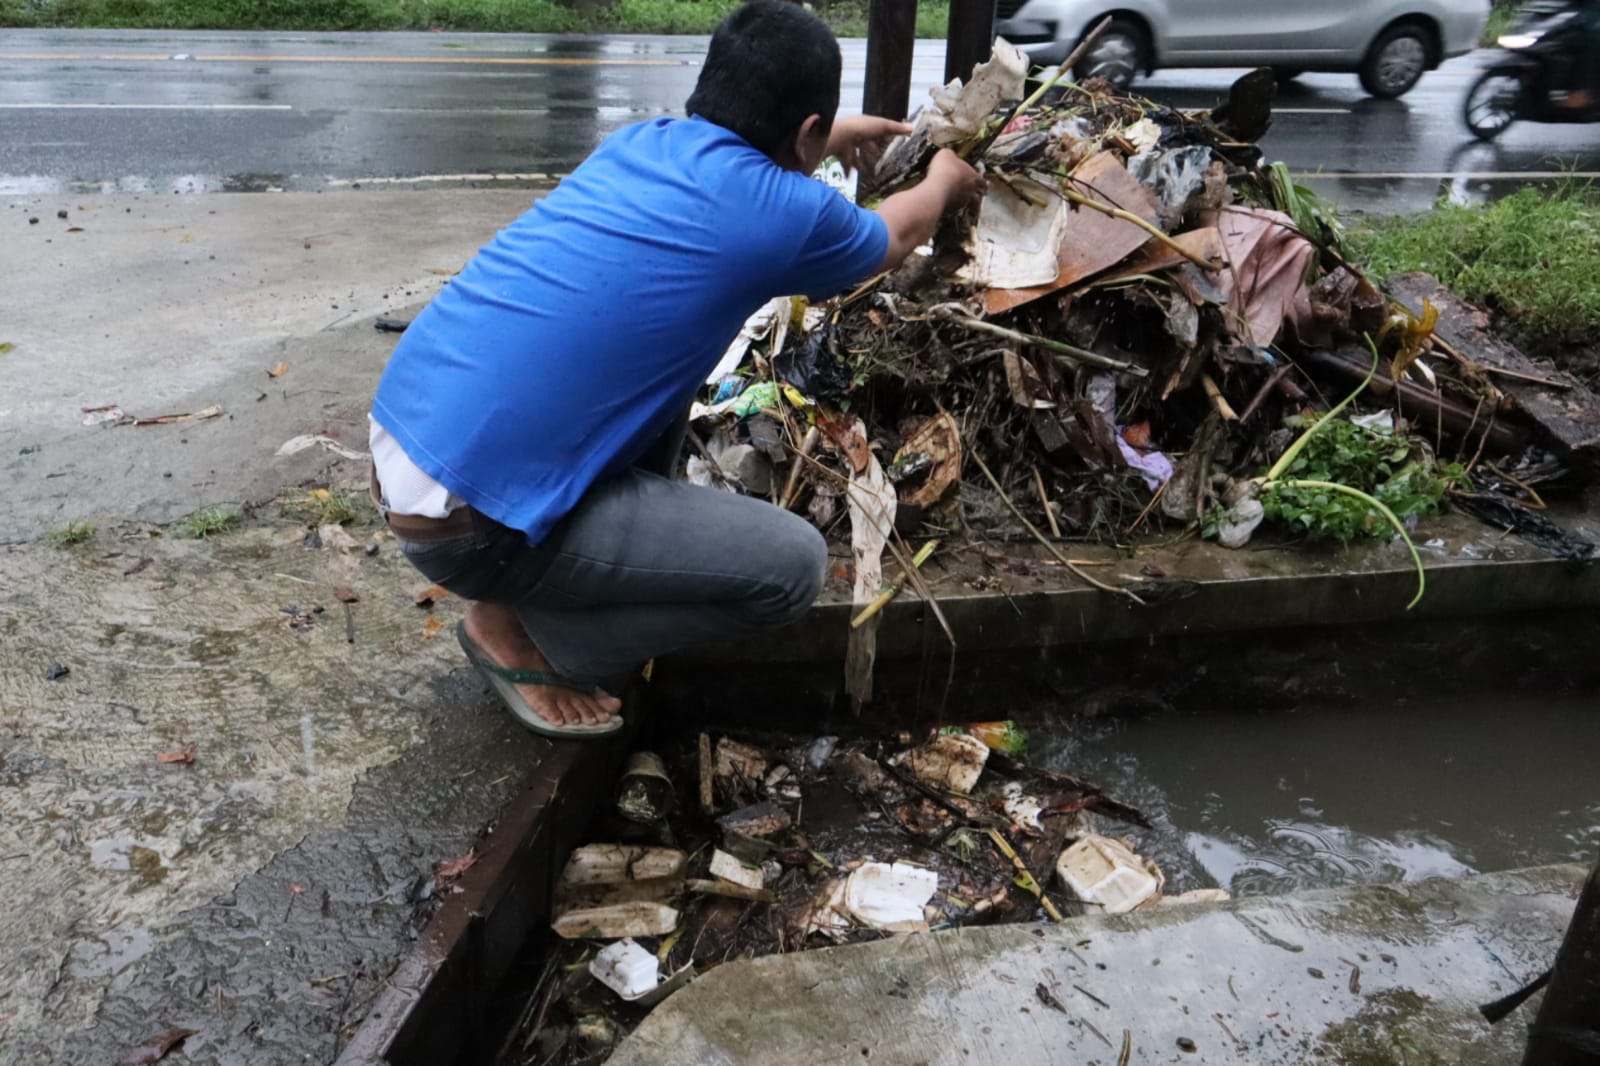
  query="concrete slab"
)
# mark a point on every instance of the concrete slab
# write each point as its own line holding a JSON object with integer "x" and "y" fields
{"x": 1387, "y": 973}
{"x": 173, "y": 304}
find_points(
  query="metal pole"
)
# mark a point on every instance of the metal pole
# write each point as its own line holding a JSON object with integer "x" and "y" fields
{"x": 891, "y": 37}
{"x": 1567, "y": 1029}
{"x": 971, "y": 37}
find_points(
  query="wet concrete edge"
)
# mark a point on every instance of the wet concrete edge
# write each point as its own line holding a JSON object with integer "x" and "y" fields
{"x": 433, "y": 1007}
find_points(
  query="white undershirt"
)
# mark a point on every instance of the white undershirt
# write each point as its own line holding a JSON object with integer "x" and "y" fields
{"x": 406, "y": 489}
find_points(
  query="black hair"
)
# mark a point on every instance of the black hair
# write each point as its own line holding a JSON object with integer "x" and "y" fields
{"x": 771, "y": 65}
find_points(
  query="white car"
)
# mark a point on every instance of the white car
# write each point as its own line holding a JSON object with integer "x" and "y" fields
{"x": 1390, "y": 43}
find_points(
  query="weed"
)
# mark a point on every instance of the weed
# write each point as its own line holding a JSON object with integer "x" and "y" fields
{"x": 531, "y": 16}
{"x": 322, "y": 507}
{"x": 74, "y": 533}
{"x": 1390, "y": 469}
{"x": 1502, "y": 16}
{"x": 1531, "y": 258}
{"x": 206, "y": 522}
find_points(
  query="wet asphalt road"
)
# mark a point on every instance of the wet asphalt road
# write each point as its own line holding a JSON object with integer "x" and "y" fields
{"x": 155, "y": 110}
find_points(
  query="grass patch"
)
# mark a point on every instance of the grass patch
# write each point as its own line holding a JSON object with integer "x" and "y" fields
{"x": 1502, "y": 16}
{"x": 498, "y": 16}
{"x": 206, "y": 522}
{"x": 1531, "y": 258}
{"x": 74, "y": 533}
{"x": 322, "y": 507}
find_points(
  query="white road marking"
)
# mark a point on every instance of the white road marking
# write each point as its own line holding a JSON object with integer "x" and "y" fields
{"x": 1441, "y": 175}
{"x": 343, "y": 182}
{"x": 147, "y": 107}
{"x": 1311, "y": 111}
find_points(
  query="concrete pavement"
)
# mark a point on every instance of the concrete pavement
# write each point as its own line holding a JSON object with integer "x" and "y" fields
{"x": 1376, "y": 974}
{"x": 166, "y": 305}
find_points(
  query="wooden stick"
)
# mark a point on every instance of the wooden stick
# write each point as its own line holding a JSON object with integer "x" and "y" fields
{"x": 881, "y": 601}
{"x": 1137, "y": 522}
{"x": 1029, "y": 883}
{"x": 960, "y": 316}
{"x": 1044, "y": 498}
{"x": 1040, "y": 537}
{"x": 729, "y": 890}
{"x": 792, "y": 487}
{"x": 1219, "y": 401}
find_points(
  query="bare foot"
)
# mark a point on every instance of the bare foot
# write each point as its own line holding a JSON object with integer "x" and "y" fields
{"x": 496, "y": 629}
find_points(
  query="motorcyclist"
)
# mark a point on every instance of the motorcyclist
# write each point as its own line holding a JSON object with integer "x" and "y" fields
{"x": 1584, "y": 93}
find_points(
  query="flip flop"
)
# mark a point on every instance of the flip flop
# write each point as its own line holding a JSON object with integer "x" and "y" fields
{"x": 504, "y": 681}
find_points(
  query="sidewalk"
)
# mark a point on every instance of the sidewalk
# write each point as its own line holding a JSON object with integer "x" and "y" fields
{"x": 261, "y": 893}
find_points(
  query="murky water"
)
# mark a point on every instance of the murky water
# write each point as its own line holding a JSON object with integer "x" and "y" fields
{"x": 1277, "y": 802}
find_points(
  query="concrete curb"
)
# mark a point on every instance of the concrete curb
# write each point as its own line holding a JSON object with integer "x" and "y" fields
{"x": 434, "y": 1005}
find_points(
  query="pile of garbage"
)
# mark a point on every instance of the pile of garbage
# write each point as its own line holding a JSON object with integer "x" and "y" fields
{"x": 732, "y": 849}
{"x": 1139, "y": 326}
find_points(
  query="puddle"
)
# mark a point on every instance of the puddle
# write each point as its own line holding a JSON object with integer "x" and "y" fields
{"x": 1321, "y": 797}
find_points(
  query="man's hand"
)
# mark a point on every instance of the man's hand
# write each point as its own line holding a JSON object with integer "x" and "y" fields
{"x": 859, "y": 140}
{"x": 958, "y": 180}
{"x": 912, "y": 215}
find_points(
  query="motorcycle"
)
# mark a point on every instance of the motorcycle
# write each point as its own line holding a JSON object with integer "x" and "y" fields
{"x": 1531, "y": 80}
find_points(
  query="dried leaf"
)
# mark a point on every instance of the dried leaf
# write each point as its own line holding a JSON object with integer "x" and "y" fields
{"x": 6, "y": 346}
{"x": 181, "y": 758}
{"x": 345, "y": 594}
{"x": 74, "y": 229}
{"x": 431, "y": 627}
{"x": 171, "y": 420}
{"x": 449, "y": 871}
{"x": 431, "y": 595}
{"x": 156, "y": 1048}
{"x": 187, "y": 238}
{"x": 851, "y": 438}
{"x": 940, "y": 439}
{"x": 139, "y": 567}
{"x": 294, "y": 445}
{"x": 442, "y": 272}
{"x": 321, "y": 495}
{"x": 278, "y": 371}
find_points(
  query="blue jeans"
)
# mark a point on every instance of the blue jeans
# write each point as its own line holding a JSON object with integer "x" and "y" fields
{"x": 642, "y": 566}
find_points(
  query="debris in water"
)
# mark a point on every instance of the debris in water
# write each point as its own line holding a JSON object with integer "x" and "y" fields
{"x": 951, "y": 761}
{"x": 645, "y": 794}
{"x": 627, "y": 969}
{"x": 890, "y": 896}
{"x": 1106, "y": 873}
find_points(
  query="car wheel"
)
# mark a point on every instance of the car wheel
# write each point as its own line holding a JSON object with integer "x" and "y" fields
{"x": 1396, "y": 61}
{"x": 1117, "y": 56}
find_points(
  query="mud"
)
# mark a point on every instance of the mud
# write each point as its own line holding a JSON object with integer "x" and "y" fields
{"x": 259, "y": 893}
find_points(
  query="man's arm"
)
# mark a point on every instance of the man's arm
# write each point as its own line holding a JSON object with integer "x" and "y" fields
{"x": 913, "y": 215}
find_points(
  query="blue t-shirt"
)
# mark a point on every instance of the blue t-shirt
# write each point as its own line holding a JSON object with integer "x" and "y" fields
{"x": 573, "y": 339}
